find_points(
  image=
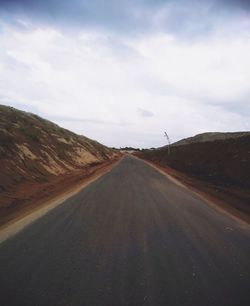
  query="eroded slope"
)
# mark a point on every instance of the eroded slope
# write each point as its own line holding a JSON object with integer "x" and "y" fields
{"x": 35, "y": 152}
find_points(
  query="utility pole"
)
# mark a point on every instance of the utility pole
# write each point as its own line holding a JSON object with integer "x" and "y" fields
{"x": 168, "y": 140}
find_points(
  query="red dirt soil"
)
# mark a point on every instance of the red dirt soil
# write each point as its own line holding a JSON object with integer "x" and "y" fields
{"x": 218, "y": 169}
{"x": 29, "y": 196}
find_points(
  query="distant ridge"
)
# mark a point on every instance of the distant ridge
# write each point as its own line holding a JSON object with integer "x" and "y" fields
{"x": 210, "y": 136}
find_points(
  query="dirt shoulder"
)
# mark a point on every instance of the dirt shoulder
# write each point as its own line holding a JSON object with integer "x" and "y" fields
{"x": 230, "y": 200}
{"x": 37, "y": 199}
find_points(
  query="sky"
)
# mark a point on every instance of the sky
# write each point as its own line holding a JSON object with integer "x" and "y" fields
{"x": 123, "y": 72}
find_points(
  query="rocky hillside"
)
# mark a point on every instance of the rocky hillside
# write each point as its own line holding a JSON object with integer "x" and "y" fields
{"x": 35, "y": 151}
{"x": 32, "y": 146}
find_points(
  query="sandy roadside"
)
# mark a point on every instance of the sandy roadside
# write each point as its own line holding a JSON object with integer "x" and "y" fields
{"x": 14, "y": 226}
{"x": 217, "y": 204}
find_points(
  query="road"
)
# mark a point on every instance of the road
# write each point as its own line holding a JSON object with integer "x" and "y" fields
{"x": 132, "y": 237}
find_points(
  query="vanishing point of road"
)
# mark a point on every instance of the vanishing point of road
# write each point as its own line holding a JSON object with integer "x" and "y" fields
{"x": 132, "y": 237}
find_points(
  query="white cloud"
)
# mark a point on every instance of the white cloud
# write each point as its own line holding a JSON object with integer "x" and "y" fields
{"x": 95, "y": 83}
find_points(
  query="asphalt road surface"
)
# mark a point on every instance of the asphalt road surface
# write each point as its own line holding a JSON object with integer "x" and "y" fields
{"x": 130, "y": 238}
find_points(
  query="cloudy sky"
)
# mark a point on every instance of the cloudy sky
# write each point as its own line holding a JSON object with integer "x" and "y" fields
{"x": 123, "y": 72}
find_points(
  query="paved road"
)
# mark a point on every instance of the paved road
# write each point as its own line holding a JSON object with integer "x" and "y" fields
{"x": 130, "y": 238}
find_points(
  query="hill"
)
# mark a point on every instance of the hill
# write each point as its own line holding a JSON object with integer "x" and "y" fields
{"x": 208, "y": 137}
{"x": 34, "y": 153}
{"x": 218, "y": 163}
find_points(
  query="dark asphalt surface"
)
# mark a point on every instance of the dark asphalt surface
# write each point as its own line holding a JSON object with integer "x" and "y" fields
{"x": 130, "y": 238}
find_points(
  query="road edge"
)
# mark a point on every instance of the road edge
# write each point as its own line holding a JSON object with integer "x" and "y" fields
{"x": 16, "y": 226}
{"x": 244, "y": 224}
